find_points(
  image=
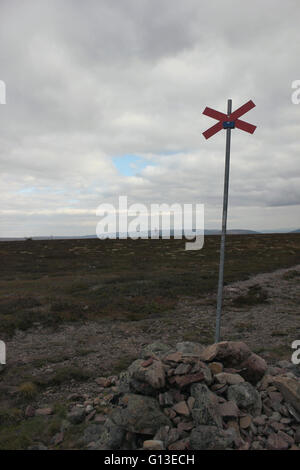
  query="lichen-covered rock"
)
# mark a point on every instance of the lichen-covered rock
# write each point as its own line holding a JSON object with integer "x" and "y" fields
{"x": 212, "y": 438}
{"x": 146, "y": 379}
{"x": 156, "y": 349}
{"x": 246, "y": 397}
{"x": 205, "y": 409}
{"x": 167, "y": 435}
{"x": 111, "y": 437}
{"x": 92, "y": 433}
{"x": 139, "y": 414}
{"x": 187, "y": 348}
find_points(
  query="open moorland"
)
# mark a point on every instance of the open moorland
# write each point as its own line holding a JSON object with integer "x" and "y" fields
{"x": 72, "y": 311}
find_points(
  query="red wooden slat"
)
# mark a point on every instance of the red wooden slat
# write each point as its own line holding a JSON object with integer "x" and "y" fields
{"x": 245, "y": 126}
{"x": 213, "y": 130}
{"x": 215, "y": 114}
{"x": 242, "y": 110}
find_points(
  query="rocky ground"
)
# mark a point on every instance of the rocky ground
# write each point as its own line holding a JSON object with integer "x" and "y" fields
{"x": 75, "y": 370}
{"x": 191, "y": 398}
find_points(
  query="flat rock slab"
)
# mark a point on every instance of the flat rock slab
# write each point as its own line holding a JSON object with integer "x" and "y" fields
{"x": 290, "y": 389}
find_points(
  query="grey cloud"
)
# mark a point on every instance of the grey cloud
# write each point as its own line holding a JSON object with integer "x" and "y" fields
{"x": 90, "y": 80}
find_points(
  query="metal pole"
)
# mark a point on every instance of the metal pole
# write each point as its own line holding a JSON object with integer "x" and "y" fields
{"x": 224, "y": 223}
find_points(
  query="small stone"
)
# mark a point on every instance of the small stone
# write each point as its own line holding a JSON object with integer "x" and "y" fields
{"x": 256, "y": 445}
{"x": 260, "y": 420}
{"x": 275, "y": 397}
{"x": 219, "y": 388}
{"x": 275, "y": 442}
{"x": 177, "y": 396}
{"x": 185, "y": 426}
{"x": 38, "y": 446}
{"x": 191, "y": 402}
{"x": 244, "y": 446}
{"x": 170, "y": 413}
{"x": 230, "y": 379}
{"x": 103, "y": 381}
{"x": 228, "y": 410}
{"x": 265, "y": 382}
{"x": 176, "y": 420}
{"x": 184, "y": 380}
{"x": 183, "y": 444}
{"x": 91, "y": 416}
{"x": 182, "y": 369}
{"x": 275, "y": 416}
{"x": 173, "y": 357}
{"x": 74, "y": 397}
{"x": 267, "y": 411}
{"x": 153, "y": 445}
{"x": 100, "y": 419}
{"x": 286, "y": 421}
{"x": 189, "y": 349}
{"x": 253, "y": 428}
{"x": 245, "y": 421}
{"x": 216, "y": 367}
{"x": 146, "y": 379}
{"x": 293, "y": 412}
{"x": 234, "y": 424}
{"x": 58, "y": 438}
{"x": 29, "y": 412}
{"x": 277, "y": 426}
{"x": 286, "y": 437}
{"x": 147, "y": 363}
{"x": 44, "y": 411}
{"x": 155, "y": 350}
{"x": 162, "y": 434}
{"x": 165, "y": 399}
{"x": 284, "y": 364}
{"x": 290, "y": 389}
{"x": 76, "y": 416}
{"x": 172, "y": 436}
{"x": 182, "y": 408}
{"x": 205, "y": 410}
{"x": 231, "y": 370}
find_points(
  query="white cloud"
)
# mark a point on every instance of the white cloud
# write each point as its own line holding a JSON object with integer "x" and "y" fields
{"x": 92, "y": 80}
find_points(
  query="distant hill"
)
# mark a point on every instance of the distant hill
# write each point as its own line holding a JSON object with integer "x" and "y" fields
{"x": 172, "y": 233}
{"x": 84, "y": 237}
{"x": 231, "y": 232}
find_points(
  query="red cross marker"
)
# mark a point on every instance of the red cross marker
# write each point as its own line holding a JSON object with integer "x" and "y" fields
{"x": 226, "y": 119}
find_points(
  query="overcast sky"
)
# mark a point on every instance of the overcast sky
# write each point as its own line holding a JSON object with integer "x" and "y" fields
{"x": 105, "y": 98}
